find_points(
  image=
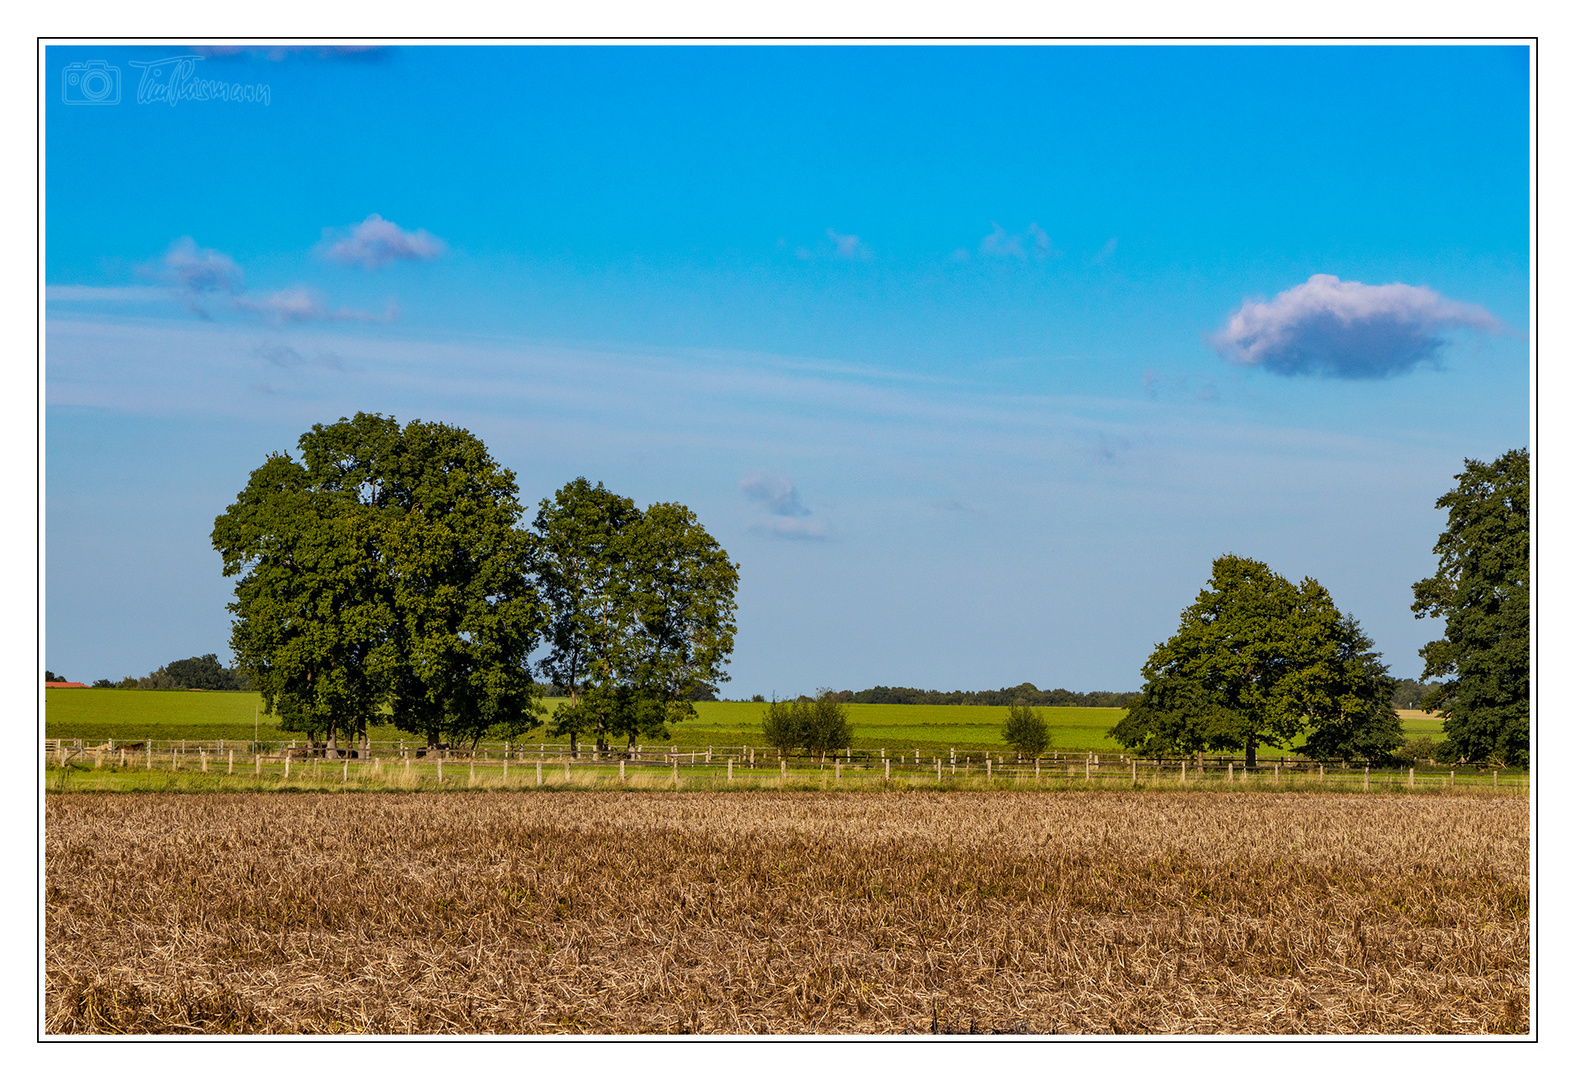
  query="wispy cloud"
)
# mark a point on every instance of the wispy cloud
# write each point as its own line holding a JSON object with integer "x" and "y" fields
{"x": 791, "y": 528}
{"x": 197, "y": 273}
{"x": 1345, "y": 329}
{"x": 775, "y": 491}
{"x": 1103, "y": 255}
{"x": 376, "y": 243}
{"x": 1001, "y": 244}
{"x": 199, "y": 276}
{"x": 849, "y": 246}
{"x": 787, "y": 516}
{"x": 298, "y": 304}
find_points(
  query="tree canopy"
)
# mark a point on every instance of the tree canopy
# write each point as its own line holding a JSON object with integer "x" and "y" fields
{"x": 1482, "y": 591}
{"x": 817, "y": 725}
{"x": 1258, "y": 660}
{"x": 384, "y": 568}
{"x": 642, "y": 611}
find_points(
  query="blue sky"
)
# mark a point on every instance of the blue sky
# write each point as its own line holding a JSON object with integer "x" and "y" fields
{"x": 974, "y": 358}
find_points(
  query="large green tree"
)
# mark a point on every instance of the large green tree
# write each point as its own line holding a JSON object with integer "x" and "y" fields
{"x": 385, "y": 569}
{"x": 1482, "y": 591}
{"x": 642, "y": 611}
{"x": 582, "y": 546}
{"x": 1258, "y": 660}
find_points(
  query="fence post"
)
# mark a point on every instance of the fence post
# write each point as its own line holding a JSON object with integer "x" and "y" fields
{"x": 783, "y": 763}
{"x": 989, "y": 769}
{"x": 729, "y": 770}
{"x": 1276, "y": 772}
{"x": 1230, "y": 772}
{"x": 1451, "y": 777}
{"x": 287, "y": 765}
{"x": 1410, "y": 779}
{"x": 621, "y": 776}
{"x": 202, "y": 754}
{"x": 344, "y": 775}
{"x": 1365, "y": 771}
{"x": 1134, "y": 772}
{"x": 675, "y": 772}
{"x": 566, "y": 768}
{"x": 506, "y": 765}
{"x": 1495, "y": 779}
{"x": 232, "y": 763}
{"x": 440, "y": 767}
{"x": 937, "y": 768}
{"x": 257, "y": 767}
{"x": 1320, "y": 772}
{"x": 838, "y": 766}
{"x": 1085, "y": 769}
{"x": 538, "y": 773}
{"x": 1183, "y": 772}
{"x": 472, "y": 772}
{"x": 888, "y": 765}
{"x": 1036, "y": 770}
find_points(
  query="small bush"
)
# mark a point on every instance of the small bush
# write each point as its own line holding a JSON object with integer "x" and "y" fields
{"x": 1416, "y": 750}
{"x": 1025, "y": 730}
{"x": 815, "y": 725}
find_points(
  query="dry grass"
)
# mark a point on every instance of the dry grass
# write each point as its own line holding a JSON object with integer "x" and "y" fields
{"x": 799, "y": 912}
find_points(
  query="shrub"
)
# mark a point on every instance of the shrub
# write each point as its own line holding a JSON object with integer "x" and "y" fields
{"x": 815, "y": 725}
{"x": 1025, "y": 730}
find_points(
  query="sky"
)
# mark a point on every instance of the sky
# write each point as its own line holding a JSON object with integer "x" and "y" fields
{"x": 973, "y": 358}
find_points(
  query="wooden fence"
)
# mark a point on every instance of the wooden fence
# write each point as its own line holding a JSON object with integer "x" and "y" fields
{"x": 554, "y": 764}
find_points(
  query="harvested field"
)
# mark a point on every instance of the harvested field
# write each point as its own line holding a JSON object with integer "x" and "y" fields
{"x": 1197, "y": 913}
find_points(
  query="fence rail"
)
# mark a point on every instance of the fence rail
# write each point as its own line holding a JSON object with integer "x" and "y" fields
{"x": 394, "y": 763}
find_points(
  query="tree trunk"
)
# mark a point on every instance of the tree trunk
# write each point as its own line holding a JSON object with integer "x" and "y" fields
{"x": 1252, "y": 752}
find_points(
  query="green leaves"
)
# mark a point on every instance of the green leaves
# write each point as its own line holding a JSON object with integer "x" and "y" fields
{"x": 1025, "y": 730}
{"x": 1483, "y": 592}
{"x": 816, "y": 726}
{"x": 384, "y": 569}
{"x": 1258, "y": 659}
{"x": 643, "y": 609}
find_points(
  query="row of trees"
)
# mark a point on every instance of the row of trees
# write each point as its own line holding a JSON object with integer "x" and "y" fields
{"x": 194, "y": 673}
{"x": 1258, "y": 660}
{"x": 387, "y": 575}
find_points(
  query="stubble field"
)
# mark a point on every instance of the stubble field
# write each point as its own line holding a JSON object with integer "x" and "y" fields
{"x": 907, "y": 912}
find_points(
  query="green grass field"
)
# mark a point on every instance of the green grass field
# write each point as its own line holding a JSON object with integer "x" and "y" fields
{"x": 133, "y": 715}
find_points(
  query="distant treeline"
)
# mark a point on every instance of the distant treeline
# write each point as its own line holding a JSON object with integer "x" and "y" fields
{"x": 194, "y": 673}
{"x": 1407, "y": 695}
{"x": 1025, "y": 694}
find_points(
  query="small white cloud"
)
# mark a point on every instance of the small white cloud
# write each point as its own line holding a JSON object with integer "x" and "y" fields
{"x": 376, "y": 243}
{"x": 196, "y": 273}
{"x": 1105, "y": 252}
{"x": 1001, "y": 244}
{"x": 849, "y": 246}
{"x": 1345, "y": 329}
{"x": 775, "y": 491}
{"x": 1041, "y": 240}
{"x": 299, "y": 304}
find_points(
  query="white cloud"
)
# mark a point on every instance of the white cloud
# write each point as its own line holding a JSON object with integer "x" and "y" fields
{"x": 1001, "y": 244}
{"x": 775, "y": 491}
{"x": 849, "y": 246}
{"x": 376, "y": 243}
{"x": 1345, "y": 329}
{"x": 299, "y": 304}
{"x": 195, "y": 273}
{"x": 1104, "y": 253}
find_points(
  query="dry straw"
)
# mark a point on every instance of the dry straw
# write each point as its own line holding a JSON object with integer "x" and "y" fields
{"x": 781, "y": 913}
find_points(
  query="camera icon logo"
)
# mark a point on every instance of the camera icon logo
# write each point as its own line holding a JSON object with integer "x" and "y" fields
{"x": 91, "y": 83}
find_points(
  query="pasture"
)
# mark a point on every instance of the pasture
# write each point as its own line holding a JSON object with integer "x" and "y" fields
{"x": 778, "y": 913}
{"x": 133, "y": 715}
